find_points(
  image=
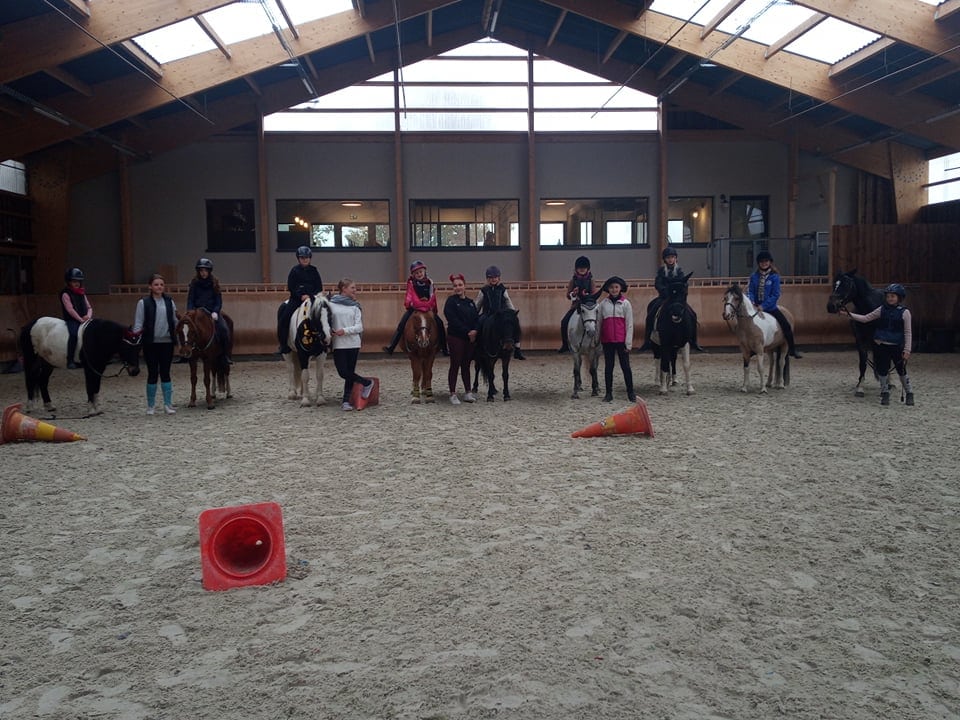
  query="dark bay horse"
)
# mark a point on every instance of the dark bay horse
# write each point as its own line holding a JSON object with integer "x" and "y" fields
{"x": 421, "y": 341}
{"x": 583, "y": 337}
{"x": 197, "y": 334}
{"x": 673, "y": 332}
{"x": 499, "y": 333}
{"x": 848, "y": 287}
{"x": 43, "y": 343}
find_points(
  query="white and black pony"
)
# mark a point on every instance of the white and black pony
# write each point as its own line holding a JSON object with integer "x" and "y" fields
{"x": 583, "y": 337}
{"x": 310, "y": 337}
{"x": 499, "y": 334}
{"x": 674, "y": 330}
{"x": 848, "y": 287}
{"x": 43, "y": 343}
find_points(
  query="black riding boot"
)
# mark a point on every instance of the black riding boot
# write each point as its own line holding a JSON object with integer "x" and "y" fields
{"x": 791, "y": 344}
{"x": 442, "y": 336}
{"x": 564, "y": 340}
{"x": 71, "y": 350}
{"x": 647, "y": 332}
{"x": 388, "y": 349}
{"x": 283, "y": 329}
{"x": 695, "y": 343}
{"x": 517, "y": 355}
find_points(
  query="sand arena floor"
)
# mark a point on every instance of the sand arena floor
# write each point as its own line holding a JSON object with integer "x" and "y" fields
{"x": 788, "y": 555}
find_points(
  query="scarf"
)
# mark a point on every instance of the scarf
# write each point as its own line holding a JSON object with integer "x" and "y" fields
{"x": 761, "y": 286}
{"x": 77, "y": 291}
{"x": 344, "y": 300}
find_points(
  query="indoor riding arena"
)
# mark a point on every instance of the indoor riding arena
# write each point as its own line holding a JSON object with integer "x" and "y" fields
{"x": 787, "y": 554}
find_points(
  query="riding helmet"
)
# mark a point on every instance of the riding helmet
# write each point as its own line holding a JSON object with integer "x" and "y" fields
{"x": 582, "y": 262}
{"x": 416, "y": 265}
{"x": 667, "y": 252}
{"x": 615, "y": 279}
{"x": 304, "y": 251}
{"x": 492, "y": 271}
{"x": 205, "y": 263}
{"x": 897, "y": 289}
{"x": 764, "y": 255}
{"x": 73, "y": 274}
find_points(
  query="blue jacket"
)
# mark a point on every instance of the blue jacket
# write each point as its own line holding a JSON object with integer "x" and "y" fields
{"x": 771, "y": 290}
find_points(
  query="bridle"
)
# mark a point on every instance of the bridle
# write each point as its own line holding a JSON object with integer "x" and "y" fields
{"x": 585, "y": 322}
{"x": 124, "y": 364}
{"x": 191, "y": 344}
{"x": 738, "y": 311}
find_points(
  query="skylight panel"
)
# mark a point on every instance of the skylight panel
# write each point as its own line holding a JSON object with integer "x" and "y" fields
{"x": 176, "y": 41}
{"x": 831, "y": 41}
{"x": 239, "y": 21}
{"x": 683, "y": 9}
{"x": 770, "y": 25}
{"x": 301, "y": 11}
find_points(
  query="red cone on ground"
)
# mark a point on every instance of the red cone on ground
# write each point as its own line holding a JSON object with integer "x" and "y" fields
{"x": 242, "y": 545}
{"x": 17, "y": 426}
{"x": 373, "y": 397}
{"x": 634, "y": 421}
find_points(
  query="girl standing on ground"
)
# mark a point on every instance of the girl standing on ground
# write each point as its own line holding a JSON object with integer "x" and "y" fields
{"x": 616, "y": 335}
{"x": 346, "y": 324}
{"x": 156, "y": 317}
{"x": 463, "y": 321}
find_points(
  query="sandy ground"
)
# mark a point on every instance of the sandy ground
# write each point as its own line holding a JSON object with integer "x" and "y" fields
{"x": 788, "y": 555}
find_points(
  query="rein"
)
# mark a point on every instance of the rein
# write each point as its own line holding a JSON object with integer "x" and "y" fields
{"x": 193, "y": 345}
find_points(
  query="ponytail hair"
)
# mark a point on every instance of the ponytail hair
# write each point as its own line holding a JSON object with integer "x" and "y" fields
{"x": 457, "y": 276}
{"x": 344, "y": 282}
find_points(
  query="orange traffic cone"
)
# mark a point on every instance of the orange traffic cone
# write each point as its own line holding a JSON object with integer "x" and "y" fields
{"x": 17, "y": 426}
{"x": 373, "y": 398}
{"x": 242, "y": 545}
{"x": 634, "y": 421}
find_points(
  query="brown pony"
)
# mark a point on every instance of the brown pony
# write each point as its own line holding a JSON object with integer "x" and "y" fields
{"x": 197, "y": 334}
{"x": 759, "y": 334}
{"x": 422, "y": 343}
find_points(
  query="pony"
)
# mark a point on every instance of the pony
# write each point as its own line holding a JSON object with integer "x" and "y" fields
{"x": 851, "y": 288}
{"x": 197, "y": 334}
{"x": 583, "y": 336}
{"x": 499, "y": 333}
{"x": 674, "y": 328}
{"x": 759, "y": 334}
{"x": 422, "y": 343}
{"x": 310, "y": 336}
{"x": 43, "y": 344}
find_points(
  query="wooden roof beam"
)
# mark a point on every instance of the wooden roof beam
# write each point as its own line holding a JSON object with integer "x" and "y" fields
{"x": 678, "y": 57}
{"x": 287, "y": 20}
{"x": 808, "y": 24}
{"x": 254, "y": 85}
{"x": 612, "y": 48}
{"x": 430, "y": 29}
{"x": 70, "y": 80}
{"x": 361, "y": 8}
{"x": 370, "y": 53}
{"x": 556, "y": 27}
{"x": 851, "y": 61}
{"x": 146, "y": 63}
{"x": 947, "y": 9}
{"x": 212, "y": 34}
{"x": 724, "y": 13}
{"x": 78, "y": 8}
{"x": 45, "y": 40}
{"x": 726, "y": 84}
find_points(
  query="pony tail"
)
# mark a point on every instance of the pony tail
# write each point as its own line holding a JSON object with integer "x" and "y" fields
{"x": 344, "y": 282}
{"x": 457, "y": 276}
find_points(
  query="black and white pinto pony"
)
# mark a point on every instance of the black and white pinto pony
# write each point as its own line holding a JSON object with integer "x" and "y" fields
{"x": 310, "y": 337}
{"x": 499, "y": 333}
{"x": 851, "y": 288}
{"x": 673, "y": 331}
{"x": 43, "y": 343}
{"x": 583, "y": 336}
{"x": 759, "y": 334}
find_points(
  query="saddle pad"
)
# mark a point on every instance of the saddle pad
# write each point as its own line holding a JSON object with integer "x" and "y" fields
{"x": 360, "y": 403}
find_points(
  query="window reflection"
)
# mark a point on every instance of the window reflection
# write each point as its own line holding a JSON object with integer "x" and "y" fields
{"x": 464, "y": 223}
{"x": 330, "y": 224}
{"x": 594, "y": 221}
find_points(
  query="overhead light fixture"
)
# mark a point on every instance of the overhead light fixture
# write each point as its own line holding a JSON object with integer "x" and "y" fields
{"x": 352, "y": 203}
{"x": 554, "y": 203}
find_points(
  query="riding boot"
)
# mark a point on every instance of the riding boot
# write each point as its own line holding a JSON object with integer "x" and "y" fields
{"x": 695, "y": 343}
{"x": 647, "y": 332}
{"x": 71, "y": 351}
{"x": 517, "y": 355}
{"x": 631, "y": 395}
{"x": 907, "y": 388}
{"x": 167, "y": 388}
{"x": 226, "y": 345}
{"x": 388, "y": 349}
{"x": 885, "y": 390}
{"x": 791, "y": 344}
{"x": 151, "y": 397}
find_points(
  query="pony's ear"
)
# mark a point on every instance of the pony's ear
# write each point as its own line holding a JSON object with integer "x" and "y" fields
{"x": 688, "y": 275}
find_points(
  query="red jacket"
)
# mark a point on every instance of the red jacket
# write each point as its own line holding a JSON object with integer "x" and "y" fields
{"x": 420, "y": 295}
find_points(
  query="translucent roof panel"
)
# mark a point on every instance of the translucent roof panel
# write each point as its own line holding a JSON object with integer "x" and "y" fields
{"x": 234, "y": 23}
{"x": 765, "y": 22}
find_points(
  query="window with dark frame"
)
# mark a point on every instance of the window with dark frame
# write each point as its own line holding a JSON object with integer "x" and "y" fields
{"x": 690, "y": 219}
{"x": 464, "y": 223}
{"x": 344, "y": 224}
{"x": 749, "y": 216}
{"x": 571, "y": 222}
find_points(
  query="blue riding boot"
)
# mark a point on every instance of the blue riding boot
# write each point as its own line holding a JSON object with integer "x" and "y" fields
{"x": 167, "y": 388}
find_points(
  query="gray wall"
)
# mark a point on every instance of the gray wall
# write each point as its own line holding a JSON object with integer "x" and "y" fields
{"x": 168, "y": 197}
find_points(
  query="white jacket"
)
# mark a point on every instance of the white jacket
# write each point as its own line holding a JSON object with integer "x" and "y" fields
{"x": 350, "y": 319}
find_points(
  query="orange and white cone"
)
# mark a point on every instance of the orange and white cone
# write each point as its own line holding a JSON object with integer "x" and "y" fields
{"x": 635, "y": 421}
{"x": 17, "y": 426}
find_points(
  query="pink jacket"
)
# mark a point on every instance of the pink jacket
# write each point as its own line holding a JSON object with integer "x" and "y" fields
{"x": 616, "y": 321}
{"x": 415, "y": 302}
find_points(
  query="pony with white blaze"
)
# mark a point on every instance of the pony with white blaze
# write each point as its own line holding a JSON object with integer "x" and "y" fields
{"x": 43, "y": 344}
{"x": 310, "y": 337}
{"x": 758, "y": 334}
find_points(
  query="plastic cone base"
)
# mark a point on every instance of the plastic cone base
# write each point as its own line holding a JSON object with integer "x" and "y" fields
{"x": 17, "y": 426}
{"x": 634, "y": 421}
{"x": 242, "y": 545}
{"x": 358, "y": 402}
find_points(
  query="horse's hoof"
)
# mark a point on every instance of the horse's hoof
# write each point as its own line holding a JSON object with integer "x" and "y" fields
{"x": 743, "y": 390}
{"x": 305, "y": 402}
{"x": 49, "y": 407}
{"x": 575, "y": 396}
{"x": 664, "y": 392}
{"x": 292, "y": 396}
{"x": 192, "y": 403}
{"x": 690, "y": 391}
{"x": 490, "y": 398}
{"x": 321, "y": 401}
{"x": 211, "y": 407}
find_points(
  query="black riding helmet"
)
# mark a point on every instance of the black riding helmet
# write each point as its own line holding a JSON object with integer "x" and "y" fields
{"x": 668, "y": 252}
{"x": 205, "y": 263}
{"x": 304, "y": 251}
{"x": 582, "y": 262}
{"x": 764, "y": 255}
{"x": 73, "y": 274}
{"x": 896, "y": 289}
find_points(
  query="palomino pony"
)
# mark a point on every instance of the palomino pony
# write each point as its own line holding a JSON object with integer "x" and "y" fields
{"x": 851, "y": 288}
{"x": 422, "y": 343}
{"x": 310, "y": 337}
{"x": 583, "y": 336}
{"x": 673, "y": 332}
{"x": 759, "y": 334}
{"x": 499, "y": 333}
{"x": 197, "y": 334}
{"x": 43, "y": 344}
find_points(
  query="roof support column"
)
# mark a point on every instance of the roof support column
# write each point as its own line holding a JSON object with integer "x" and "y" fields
{"x": 663, "y": 210}
{"x": 266, "y": 241}
{"x": 533, "y": 207}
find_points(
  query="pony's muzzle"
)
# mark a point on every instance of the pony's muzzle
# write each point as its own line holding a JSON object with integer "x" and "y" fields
{"x": 132, "y": 371}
